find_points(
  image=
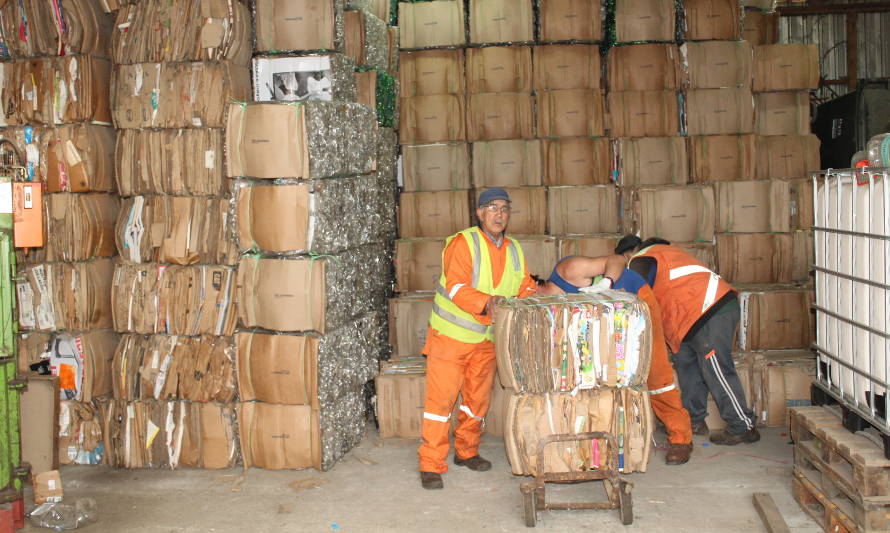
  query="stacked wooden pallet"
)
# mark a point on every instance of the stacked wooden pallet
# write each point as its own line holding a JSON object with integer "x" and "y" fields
{"x": 841, "y": 479}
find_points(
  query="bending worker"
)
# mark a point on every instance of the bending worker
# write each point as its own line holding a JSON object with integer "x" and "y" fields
{"x": 575, "y": 272}
{"x": 700, "y": 313}
{"x": 480, "y": 266}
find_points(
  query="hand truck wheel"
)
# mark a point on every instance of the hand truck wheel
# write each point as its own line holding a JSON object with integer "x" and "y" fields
{"x": 625, "y": 504}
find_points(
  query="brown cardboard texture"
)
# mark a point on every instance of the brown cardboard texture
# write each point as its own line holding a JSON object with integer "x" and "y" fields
{"x": 571, "y": 20}
{"x": 719, "y": 112}
{"x": 802, "y": 216}
{"x": 718, "y": 64}
{"x": 787, "y": 156}
{"x": 284, "y": 25}
{"x": 681, "y": 214}
{"x": 279, "y": 437}
{"x": 436, "y": 118}
{"x": 513, "y": 163}
{"x": 776, "y": 318}
{"x": 644, "y": 67}
{"x": 722, "y": 158}
{"x": 703, "y": 251}
{"x": 277, "y": 368}
{"x": 282, "y": 294}
{"x": 786, "y": 67}
{"x": 760, "y": 28}
{"x": 566, "y": 66}
{"x": 528, "y": 213}
{"x": 758, "y": 206}
{"x": 495, "y": 116}
{"x": 429, "y": 72}
{"x": 433, "y": 214}
{"x": 418, "y": 264}
{"x": 577, "y": 161}
{"x": 713, "y": 19}
{"x": 643, "y": 114}
{"x": 366, "y": 88}
{"x": 582, "y": 210}
{"x": 501, "y": 21}
{"x": 786, "y": 383}
{"x": 589, "y": 245}
{"x": 47, "y": 487}
{"x": 782, "y": 113}
{"x": 499, "y": 69}
{"x": 803, "y": 256}
{"x": 428, "y": 24}
{"x": 651, "y": 161}
{"x": 540, "y": 253}
{"x": 571, "y": 113}
{"x": 409, "y": 318}
{"x": 274, "y": 218}
{"x": 80, "y": 158}
{"x": 400, "y": 400}
{"x": 40, "y": 423}
{"x": 435, "y": 167}
{"x": 755, "y": 257}
{"x": 644, "y": 20}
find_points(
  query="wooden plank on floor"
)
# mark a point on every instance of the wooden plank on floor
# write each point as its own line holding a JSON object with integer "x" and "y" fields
{"x": 769, "y": 513}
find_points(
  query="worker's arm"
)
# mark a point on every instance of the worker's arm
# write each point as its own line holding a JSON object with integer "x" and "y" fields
{"x": 614, "y": 267}
{"x": 458, "y": 268}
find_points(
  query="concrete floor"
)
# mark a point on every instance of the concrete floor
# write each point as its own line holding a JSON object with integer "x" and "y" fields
{"x": 376, "y": 488}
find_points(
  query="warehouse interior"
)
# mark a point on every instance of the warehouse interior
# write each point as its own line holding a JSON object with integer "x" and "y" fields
{"x": 223, "y": 225}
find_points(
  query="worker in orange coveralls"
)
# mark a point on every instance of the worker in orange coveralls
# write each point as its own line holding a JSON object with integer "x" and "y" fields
{"x": 609, "y": 272}
{"x": 480, "y": 267}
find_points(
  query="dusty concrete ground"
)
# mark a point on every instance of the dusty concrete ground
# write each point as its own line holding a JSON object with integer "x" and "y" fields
{"x": 376, "y": 488}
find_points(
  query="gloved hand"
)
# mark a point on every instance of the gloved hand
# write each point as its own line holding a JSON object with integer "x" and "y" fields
{"x": 604, "y": 283}
{"x": 492, "y": 303}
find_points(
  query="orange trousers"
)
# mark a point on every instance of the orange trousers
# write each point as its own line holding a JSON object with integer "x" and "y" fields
{"x": 663, "y": 390}
{"x": 454, "y": 367}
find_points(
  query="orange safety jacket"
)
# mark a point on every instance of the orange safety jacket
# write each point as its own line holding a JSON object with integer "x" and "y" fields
{"x": 685, "y": 290}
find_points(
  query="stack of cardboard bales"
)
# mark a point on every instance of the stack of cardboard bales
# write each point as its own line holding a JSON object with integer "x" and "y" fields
{"x": 57, "y": 119}
{"x": 173, "y": 286}
{"x": 314, "y": 182}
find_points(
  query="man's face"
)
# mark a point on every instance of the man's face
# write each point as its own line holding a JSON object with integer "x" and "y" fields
{"x": 494, "y": 217}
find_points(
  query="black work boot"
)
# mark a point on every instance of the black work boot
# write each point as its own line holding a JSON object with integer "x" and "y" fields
{"x": 431, "y": 480}
{"x": 701, "y": 429}
{"x": 678, "y": 454}
{"x": 476, "y": 463}
{"x": 728, "y": 439}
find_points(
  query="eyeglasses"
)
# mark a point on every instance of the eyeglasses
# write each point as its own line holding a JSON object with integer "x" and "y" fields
{"x": 491, "y": 208}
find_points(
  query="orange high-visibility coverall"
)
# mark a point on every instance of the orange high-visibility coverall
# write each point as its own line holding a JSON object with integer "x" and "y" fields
{"x": 663, "y": 391}
{"x": 457, "y": 367}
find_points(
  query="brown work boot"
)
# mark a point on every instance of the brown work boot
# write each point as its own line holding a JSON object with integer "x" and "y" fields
{"x": 728, "y": 439}
{"x": 476, "y": 463}
{"x": 431, "y": 480}
{"x": 701, "y": 429}
{"x": 678, "y": 454}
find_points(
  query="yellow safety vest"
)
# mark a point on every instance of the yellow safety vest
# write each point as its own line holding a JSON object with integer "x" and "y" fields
{"x": 449, "y": 319}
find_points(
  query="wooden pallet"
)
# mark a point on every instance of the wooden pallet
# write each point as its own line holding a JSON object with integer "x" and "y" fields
{"x": 853, "y": 463}
{"x": 828, "y": 515}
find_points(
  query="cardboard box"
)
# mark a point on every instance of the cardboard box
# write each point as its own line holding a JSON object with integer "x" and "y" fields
{"x": 719, "y": 112}
{"x": 786, "y": 67}
{"x": 277, "y": 368}
{"x": 282, "y": 295}
{"x": 722, "y": 158}
{"x": 499, "y": 69}
{"x": 566, "y": 66}
{"x": 758, "y": 206}
{"x": 588, "y": 245}
{"x": 787, "y": 156}
{"x": 44, "y": 303}
{"x": 703, "y": 251}
{"x": 776, "y": 318}
{"x": 717, "y": 64}
{"x": 760, "y": 28}
{"x": 79, "y": 226}
{"x": 571, "y": 20}
{"x": 514, "y": 163}
{"x": 495, "y": 116}
{"x": 87, "y": 30}
{"x": 429, "y": 72}
{"x": 434, "y": 118}
{"x": 409, "y": 320}
{"x": 786, "y": 382}
{"x": 418, "y": 264}
{"x": 501, "y": 21}
{"x": 782, "y": 113}
{"x": 541, "y": 253}
{"x": 435, "y": 167}
{"x": 802, "y": 215}
{"x": 803, "y": 256}
{"x": 399, "y": 406}
{"x": 79, "y": 158}
{"x": 651, "y": 161}
{"x": 571, "y": 113}
{"x": 643, "y": 114}
{"x": 48, "y": 487}
{"x": 528, "y": 215}
{"x": 755, "y": 257}
{"x": 366, "y": 88}
{"x": 42, "y": 90}
{"x": 644, "y": 20}
{"x": 314, "y": 25}
{"x": 582, "y": 210}
{"x": 381, "y": 9}
{"x": 678, "y": 214}
{"x": 433, "y": 214}
{"x": 279, "y": 437}
{"x": 644, "y": 67}
{"x": 765, "y": 5}
{"x": 80, "y": 436}
{"x": 40, "y": 423}
{"x": 713, "y": 19}
{"x": 428, "y": 24}
{"x": 577, "y": 161}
